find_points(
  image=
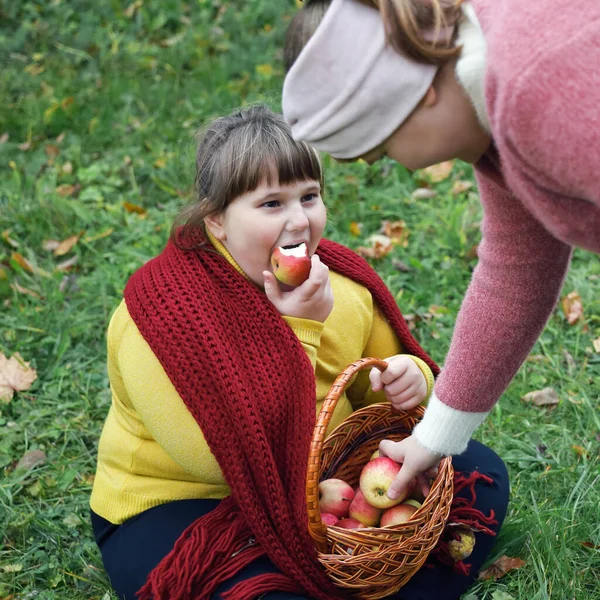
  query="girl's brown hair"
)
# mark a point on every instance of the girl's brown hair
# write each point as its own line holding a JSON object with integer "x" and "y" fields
{"x": 405, "y": 22}
{"x": 235, "y": 155}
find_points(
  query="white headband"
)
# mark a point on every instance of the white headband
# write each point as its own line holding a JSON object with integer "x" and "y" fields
{"x": 349, "y": 90}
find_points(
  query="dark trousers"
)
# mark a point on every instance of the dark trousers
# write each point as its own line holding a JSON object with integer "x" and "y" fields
{"x": 131, "y": 550}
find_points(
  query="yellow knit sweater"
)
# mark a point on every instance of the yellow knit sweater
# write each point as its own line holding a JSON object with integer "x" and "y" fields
{"x": 152, "y": 451}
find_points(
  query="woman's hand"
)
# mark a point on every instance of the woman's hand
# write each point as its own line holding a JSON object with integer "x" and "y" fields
{"x": 403, "y": 382}
{"x": 311, "y": 300}
{"x": 416, "y": 461}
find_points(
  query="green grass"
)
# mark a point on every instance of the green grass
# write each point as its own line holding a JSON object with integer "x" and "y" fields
{"x": 107, "y": 100}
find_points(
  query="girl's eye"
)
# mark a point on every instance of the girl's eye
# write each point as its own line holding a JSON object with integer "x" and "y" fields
{"x": 308, "y": 197}
{"x": 271, "y": 204}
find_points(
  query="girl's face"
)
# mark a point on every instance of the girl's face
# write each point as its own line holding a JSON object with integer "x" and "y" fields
{"x": 255, "y": 223}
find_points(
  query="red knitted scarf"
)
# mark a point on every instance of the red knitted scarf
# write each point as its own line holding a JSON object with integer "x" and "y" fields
{"x": 246, "y": 379}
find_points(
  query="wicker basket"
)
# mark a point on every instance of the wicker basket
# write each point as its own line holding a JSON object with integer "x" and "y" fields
{"x": 373, "y": 562}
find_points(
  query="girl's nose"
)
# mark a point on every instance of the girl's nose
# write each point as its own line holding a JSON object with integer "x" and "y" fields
{"x": 297, "y": 220}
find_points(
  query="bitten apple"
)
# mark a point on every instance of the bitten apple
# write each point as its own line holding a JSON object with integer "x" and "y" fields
{"x": 398, "y": 514}
{"x": 362, "y": 511}
{"x": 291, "y": 265}
{"x": 349, "y": 524}
{"x": 336, "y": 496}
{"x": 375, "y": 479}
{"x": 329, "y": 519}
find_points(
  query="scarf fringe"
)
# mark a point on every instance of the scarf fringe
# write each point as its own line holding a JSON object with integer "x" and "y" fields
{"x": 254, "y": 588}
{"x": 463, "y": 513}
{"x": 207, "y": 553}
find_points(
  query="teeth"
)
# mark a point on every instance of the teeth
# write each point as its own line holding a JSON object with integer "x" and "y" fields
{"x": 298, "y": 250}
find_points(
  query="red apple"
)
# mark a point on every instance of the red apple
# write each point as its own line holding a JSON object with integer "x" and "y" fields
{"x": 362, "y": 511}
{"x": 291, "y": 265}
{"x": 329, "y": 519}
{"x": 375, "y": 479}
{"x": 349, "y": 524}
{"x": 336, "y": 496}
{"x": 398, "y": 514}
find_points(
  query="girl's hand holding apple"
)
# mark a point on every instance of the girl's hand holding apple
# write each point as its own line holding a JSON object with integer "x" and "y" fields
{"x": 313, "y": 299}
{"x": 403, "y": 382}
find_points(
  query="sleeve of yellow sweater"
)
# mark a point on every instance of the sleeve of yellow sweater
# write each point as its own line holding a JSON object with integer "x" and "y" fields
{"x": 382, "y": 343}
{"x": 159, "y": 407}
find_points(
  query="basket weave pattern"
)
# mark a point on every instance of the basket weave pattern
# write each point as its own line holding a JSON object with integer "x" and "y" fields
{"x": 372, "y": 562}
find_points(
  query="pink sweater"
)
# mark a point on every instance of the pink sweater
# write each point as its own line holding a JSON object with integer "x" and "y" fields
{"x": 540, "y": 190}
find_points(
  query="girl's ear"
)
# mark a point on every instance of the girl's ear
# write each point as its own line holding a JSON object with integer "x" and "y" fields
{"x": 214, "y": 223}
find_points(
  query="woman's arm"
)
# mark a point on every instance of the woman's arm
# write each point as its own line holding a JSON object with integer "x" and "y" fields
{"x": 514, "y": 289}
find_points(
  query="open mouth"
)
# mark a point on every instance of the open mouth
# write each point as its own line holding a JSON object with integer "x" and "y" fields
{"x": 292, "y": 246}
{"x": 298, "y": 250}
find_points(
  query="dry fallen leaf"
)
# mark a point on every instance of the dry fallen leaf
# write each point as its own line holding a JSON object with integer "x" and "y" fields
{"x": 381, "y": 246}
{"x": 15, "y": 376}
{"x": 50, "y": 245}
{"x": 134, "y": 208}
{"x": 67, "y": 264}
{"x": 98, "y": 236}
{"x": 66, "y": 245}
{"x": 423, "y": 193}
{"x": 501, "y": 567}
{"x": 66, "y": 189}
{"x": 579, "y": 450}
{"x": 460, "y": 187}
{"x": 572, "y": 307}
{"x": 31, "y": 459}
{"x": 439, "y": 172}
{"x": 22, "y": 262}
{"x": 23, "y": 290}
{"x": 545, "y": 397}
{"x": 9, "y": 241}
{"x": 590, "y": 545}
{"x": 396, "y": 231}
{"x": 596, "y": 344}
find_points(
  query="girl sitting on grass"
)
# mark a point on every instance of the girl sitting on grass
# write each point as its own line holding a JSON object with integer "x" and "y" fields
{"x": 218, "y": 371}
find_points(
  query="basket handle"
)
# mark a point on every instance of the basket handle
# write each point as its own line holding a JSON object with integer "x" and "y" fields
{"x": 316, "y": 526}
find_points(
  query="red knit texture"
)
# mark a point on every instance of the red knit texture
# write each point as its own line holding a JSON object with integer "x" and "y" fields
{"x": 245, "y": 377}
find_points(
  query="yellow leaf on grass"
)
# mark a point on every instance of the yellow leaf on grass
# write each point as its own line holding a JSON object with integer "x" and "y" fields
{"x": 356, "y": 228}
{"x": 134, "y": 208}
{"x": 573, "y": 307}
{"x": 98, "y": 236}
{"x": 66, "y": 245}
{"x": 439, "y": 172}
{"x": 596, "y": 344}
{"x": 15, "y": 376}
{"x": 266, "y": 70}
{"x": 22, "y": 262}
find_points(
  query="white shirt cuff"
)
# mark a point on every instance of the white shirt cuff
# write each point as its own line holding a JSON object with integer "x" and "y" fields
{"x": 444, "y": 429}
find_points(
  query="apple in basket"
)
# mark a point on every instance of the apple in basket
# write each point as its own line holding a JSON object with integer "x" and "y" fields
{"x": 329, "y": 519}
{"x": 364, "y": 512}
{"x": 291, "y": 264}
{"x": 349, "y": 524}
{"x": 399, "y": 513}
{"x": 375, "y": 479}
{"x": 335, "y": 497}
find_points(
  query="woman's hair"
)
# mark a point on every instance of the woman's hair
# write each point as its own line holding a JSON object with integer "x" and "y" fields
{"x": 235, "y": 155}
{"x": 412, "y": 27}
